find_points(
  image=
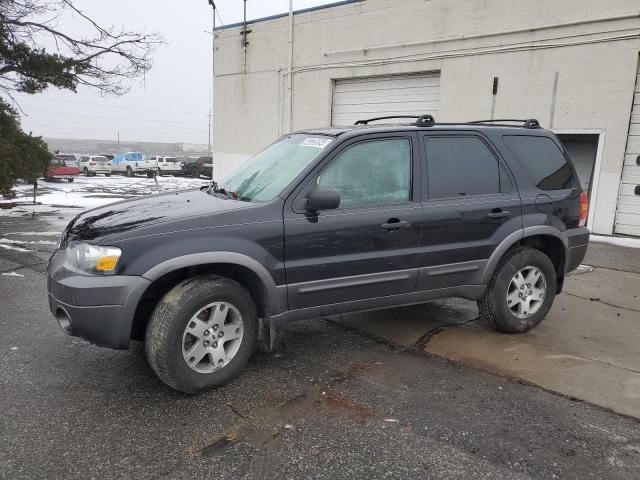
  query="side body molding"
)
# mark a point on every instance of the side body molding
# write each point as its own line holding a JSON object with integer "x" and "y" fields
{"x": 192, "y": 260}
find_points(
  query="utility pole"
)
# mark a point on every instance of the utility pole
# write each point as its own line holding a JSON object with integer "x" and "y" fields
{"x": 213, "y": 83}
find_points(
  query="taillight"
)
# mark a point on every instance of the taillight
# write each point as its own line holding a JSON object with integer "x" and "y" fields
{"x": 584, "y": 209}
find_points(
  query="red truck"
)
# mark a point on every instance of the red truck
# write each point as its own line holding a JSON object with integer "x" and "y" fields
{"x": 62, "y": 166}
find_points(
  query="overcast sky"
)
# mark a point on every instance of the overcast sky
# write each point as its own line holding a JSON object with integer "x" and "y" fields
{"x": 172, "y": 103}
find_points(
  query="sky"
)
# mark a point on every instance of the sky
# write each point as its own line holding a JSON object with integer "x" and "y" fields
{"x": 171, "y": 103}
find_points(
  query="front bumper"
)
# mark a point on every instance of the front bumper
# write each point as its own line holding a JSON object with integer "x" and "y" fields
{"x": 577, "y": 244}
{"x": 99, "y": 309}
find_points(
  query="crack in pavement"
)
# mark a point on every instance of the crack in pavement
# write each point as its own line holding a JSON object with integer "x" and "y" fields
{"x": 593, "y": 299}
{"x": 424, "y": 340}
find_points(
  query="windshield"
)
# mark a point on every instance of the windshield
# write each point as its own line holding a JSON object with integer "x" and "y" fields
{"x": 264, "y": 176}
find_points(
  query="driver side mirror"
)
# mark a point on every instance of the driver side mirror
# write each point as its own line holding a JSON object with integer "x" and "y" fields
{"x": 323, "y": 199}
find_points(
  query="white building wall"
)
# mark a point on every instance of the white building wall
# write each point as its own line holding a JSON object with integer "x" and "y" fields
{"x": 596, "y": 63}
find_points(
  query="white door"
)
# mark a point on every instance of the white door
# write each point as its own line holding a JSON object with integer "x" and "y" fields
{"x": 362, "y": 98}
{"x": 628, "y": 214}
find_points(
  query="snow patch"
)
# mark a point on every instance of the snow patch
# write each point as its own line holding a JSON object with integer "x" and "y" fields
{"x": 619, "y": 241}
{"x": 42, "y": 234}
{"x": 12, "y": 274}
{"x": 30, "y": 242}
{"x": 11, "y": 247}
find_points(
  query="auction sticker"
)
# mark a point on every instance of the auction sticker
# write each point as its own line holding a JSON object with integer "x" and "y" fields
{"x": 316, "y": 142}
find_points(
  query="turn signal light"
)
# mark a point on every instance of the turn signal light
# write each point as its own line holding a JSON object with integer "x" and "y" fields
{"x": 584, "y": 209}
{"x": 106, "y": 263}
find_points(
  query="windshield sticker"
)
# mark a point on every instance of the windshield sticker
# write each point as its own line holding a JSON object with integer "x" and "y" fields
{"x": 315, "y": 142}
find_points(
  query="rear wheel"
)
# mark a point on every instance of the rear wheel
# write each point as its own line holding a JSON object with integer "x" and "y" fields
{"x": 86, "y": 172}
{"x": 202, "y": 333}
{"x": 521, "y": 291}
{"x": 70, "y": 180}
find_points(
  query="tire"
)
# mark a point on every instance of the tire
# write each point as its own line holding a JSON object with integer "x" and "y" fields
{"x": 86, "y": 172}
{"x": 512, "y": 318}
{"x": 159, "y": 172}
{"x": 129, "y": 172}
{"x": 195, "y": 173}
{"x": 174, "y": 315}
{"x": 70, "y": 180}
{"x": 107, "y": 174}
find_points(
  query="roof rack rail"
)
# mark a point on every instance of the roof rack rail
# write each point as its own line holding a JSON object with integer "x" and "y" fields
{"x": 366, "y": 122}
{"x": 527, "y": 123}
{"x": 421, "y": 120}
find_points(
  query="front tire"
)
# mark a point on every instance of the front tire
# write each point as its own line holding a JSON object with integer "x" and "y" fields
{"x": 202, "y": 333}
{"x": 129, "y": 172}
{"x": 70, "y": 180}
{"x": 521, "y": 291}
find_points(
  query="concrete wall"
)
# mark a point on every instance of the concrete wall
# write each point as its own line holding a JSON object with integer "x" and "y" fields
{"x": 596, "y": 64}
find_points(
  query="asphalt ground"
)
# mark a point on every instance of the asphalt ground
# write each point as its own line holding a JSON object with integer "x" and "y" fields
{"x": 331, "y": 403}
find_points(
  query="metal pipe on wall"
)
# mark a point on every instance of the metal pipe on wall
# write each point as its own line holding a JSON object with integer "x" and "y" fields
{"x": 290, "y": 123}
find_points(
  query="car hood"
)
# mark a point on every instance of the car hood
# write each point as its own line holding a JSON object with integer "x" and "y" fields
{"x": 138, "y": 214}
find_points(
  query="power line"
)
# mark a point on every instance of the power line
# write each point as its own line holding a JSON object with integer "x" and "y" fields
{"x": 123, "y": 107}
{"x": 143, "y": 120}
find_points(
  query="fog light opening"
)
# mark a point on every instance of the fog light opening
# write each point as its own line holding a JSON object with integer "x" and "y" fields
{"x": 64, "y": 320}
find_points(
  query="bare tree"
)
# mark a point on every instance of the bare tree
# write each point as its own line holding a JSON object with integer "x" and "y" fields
{"x": 35, "y": 52}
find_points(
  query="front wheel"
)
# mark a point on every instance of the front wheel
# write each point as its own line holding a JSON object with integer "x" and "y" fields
{"x": 129, "y": 172}
{"x": 202, "y": 333}
{"x": 521, "y": 291}
{"x": 70, "y": 180}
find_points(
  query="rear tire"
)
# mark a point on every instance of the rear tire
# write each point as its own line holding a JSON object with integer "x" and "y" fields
{"x": 70, "y": 180}
{"x": 521, "y": 291}
{"x": 191, "y": 304}
{"x": 86, "y": 172}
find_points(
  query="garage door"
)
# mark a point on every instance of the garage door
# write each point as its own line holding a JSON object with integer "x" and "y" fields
{"x": 628, "y": 214}
{"x": 361, "y": 98}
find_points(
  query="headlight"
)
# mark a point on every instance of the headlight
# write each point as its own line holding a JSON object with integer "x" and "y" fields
{"x": 93, "y": 258}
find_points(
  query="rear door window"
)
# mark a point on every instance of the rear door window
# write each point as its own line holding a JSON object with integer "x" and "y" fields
{"x": 460, "y": 166}
{"x": 542, "y": 159}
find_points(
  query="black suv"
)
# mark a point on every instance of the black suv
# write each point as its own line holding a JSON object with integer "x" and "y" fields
{"x": 325, "y": 222}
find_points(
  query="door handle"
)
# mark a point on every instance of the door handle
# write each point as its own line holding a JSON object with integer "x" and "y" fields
{"x": 394, "y": 224}
{"x": 498, "y": 213}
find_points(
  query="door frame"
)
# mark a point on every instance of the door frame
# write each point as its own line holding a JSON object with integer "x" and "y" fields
{"x": 595, "y": 183}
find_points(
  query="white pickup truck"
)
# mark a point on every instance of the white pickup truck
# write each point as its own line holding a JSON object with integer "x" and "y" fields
{"x": 131, "y": 163}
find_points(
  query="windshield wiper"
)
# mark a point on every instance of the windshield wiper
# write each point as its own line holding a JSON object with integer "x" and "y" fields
{"x": 213, "y": 188}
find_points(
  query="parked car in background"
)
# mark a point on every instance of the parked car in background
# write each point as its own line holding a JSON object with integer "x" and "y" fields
{"x": 70, "y": 160}
{"x": 167, "y": 165}
{"x": 62, "y": 167}
{"x": 91, "y": 165}
{"x": 198, "y": 167}
{"x": 131, "y": 163}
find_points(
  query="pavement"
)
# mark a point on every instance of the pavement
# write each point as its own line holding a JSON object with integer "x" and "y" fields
{"x": 586, "y": 348}
{"x": 335, "y": 401}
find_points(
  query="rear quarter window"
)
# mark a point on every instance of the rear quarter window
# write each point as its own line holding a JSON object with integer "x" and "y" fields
{"x": 544, "y": 162}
